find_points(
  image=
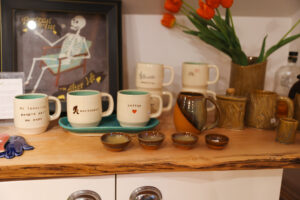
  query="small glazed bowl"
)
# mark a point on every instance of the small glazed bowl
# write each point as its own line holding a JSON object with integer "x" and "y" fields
{"x": 216, "y": 141}
{"x": 151, "y": 140}
{"x": 184, "y": 140}
{"x": 115, "y": 141}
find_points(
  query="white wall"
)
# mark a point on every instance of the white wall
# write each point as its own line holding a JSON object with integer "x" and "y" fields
{"x": 145, "y": 39}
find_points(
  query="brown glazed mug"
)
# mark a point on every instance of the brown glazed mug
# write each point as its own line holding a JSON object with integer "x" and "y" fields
{"x": 261, "y": 109}
{"x": 297, "y": 108}
{"x": 190, "y": 112}
{"x": 286, "y": 130}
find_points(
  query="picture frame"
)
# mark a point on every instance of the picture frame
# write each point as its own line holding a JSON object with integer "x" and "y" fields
{"x": 63, "y": 45}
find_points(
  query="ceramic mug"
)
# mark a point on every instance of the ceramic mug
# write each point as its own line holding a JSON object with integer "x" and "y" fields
{"x": 150, "y": 75}
{"x": 84, "y": 107}
{"x": 31, "y": 112}
{"x": 190, "y": 112}
{"x": 232, "y": 110}
{"x": 195, "y": 77}
{"x": 133, "y": 107}
{"x": 286, "y": 130}
{"x": 261, "y": 109}
{"x": 155, "y": 102}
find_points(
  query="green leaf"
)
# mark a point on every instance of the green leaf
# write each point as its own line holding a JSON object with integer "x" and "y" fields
{"x": 227, "y": 17}
{"x": 262, "y": 51}
{"x": 280, "y": 44}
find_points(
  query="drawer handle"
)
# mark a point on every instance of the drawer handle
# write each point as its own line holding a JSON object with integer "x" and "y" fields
{"x": 146, "y": 193}
{"x": 84, "y": 195}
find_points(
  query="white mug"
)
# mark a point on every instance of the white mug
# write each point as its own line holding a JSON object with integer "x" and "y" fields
{"x": 84, "y": 107}
{"x": 195, "y": 76}
{"x": 150, "y": 75}
{"x": 134, "y": 108}
{"x": 155, "y": 102}
{"x": 31, "y": 112}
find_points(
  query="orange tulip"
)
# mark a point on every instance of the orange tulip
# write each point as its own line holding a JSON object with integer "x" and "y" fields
{"x": 213, "y": 3}
{"x": 168, "y": 20}
{"x": 173, "y": 5}
{"x": 205, "y": 11}
{"x": 226, "y": 3}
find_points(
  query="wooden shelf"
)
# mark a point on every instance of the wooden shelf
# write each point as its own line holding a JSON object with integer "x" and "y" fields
{"x": 59, "y": 154}
{"x": 254, "y": 8}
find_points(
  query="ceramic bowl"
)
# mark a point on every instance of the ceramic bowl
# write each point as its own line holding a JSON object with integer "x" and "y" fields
{"x": 216, "y": 141}
{"x": 184, "y": 140}
{"x": 151, "y": 139}
{"x": 115, "y": 141}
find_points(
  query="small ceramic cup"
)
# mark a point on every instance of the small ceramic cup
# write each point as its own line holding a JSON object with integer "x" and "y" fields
{"x": 286, "y": 130}
{"x": 84, "y": 107}
{"x": 151, "y": 76}
{"x": 31, "y": 112}
{"x": 195, "y": 77}
{"x": 155, "y": 102}
{"x": 133, "y": 107}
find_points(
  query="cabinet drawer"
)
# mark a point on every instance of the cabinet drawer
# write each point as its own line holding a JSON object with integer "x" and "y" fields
{"x": 225, "y": 185}
{"x": 57, "y": 189}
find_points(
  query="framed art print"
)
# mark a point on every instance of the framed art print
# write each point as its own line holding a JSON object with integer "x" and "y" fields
{"x": 63, "y": 45}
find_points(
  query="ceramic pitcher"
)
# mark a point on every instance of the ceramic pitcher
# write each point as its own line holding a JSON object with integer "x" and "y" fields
{"x": 190, "y": 112}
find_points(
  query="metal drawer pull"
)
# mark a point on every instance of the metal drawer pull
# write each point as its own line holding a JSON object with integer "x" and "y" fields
{"x": 146, "y": 193}
{"x": 84, "y": 195}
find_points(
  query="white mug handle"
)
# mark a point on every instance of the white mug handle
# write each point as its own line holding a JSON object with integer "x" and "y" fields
{"x": 213, "y": 94}
{"x": 217, "y": 74}
{"x": 171, "y": 69}
{"x": 169, "y": 106}
{"x": 160, "y": 106}
{"x": 110, "y": 104}
{"x": 57, "y": 108}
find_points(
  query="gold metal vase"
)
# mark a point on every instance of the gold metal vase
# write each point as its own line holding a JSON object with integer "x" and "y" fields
{"x": 245, "y": 79}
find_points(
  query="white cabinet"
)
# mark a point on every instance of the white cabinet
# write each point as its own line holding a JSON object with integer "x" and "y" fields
{"x": 210, "y": 185}
{"x": 57, "y": 189}
{"x": 214, "y": 185}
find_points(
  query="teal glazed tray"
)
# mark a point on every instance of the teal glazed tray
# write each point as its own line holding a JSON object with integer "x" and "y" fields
{"x": 107, "y": 124}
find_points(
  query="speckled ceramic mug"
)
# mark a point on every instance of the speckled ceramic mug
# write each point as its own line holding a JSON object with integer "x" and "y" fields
{"x": 151, "y": 75}
{"x": 134, "y": 107}
{"x": 84, "y": 107}
{"x": 31, "y": 112}
{"x": 195, "y": 77}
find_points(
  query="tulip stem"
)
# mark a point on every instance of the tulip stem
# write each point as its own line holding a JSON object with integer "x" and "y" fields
{"x": 290, "y": 30}
{"x": 182, "y": 26}
{"x": 218, "y": 12}
{"x": 188, "y": 5}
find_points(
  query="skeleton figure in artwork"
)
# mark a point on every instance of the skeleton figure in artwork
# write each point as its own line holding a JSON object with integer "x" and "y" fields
{"x": 72, "y": 44}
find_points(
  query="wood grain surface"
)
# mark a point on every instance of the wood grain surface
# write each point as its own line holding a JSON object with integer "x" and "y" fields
{"x": 58, "y": 153}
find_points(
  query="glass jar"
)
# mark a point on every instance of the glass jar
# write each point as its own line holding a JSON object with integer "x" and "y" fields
{"x": 286, "y": 75}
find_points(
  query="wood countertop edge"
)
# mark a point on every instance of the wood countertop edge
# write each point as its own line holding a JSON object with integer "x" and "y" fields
{"x": 22, "y": 172}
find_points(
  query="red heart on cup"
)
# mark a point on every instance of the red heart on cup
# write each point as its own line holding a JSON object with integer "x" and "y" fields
{"x": 134, "y": 111}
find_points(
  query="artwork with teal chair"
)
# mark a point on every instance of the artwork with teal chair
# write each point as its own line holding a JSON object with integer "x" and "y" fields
{"x": 57, "y": 64}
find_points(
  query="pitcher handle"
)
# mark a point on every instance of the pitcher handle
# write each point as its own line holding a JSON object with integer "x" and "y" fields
{"x": 290, "y": 105}
{"x": 215, "y": 123}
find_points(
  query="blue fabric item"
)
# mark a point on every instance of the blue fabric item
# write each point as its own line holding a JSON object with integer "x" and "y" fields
{"x": 15, "y": 147}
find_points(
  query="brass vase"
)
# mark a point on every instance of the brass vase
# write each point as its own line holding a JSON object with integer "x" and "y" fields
{"x": 247, "y": 78}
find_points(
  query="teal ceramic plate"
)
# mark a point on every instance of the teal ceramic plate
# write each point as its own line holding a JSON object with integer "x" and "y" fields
{"x": 107, "y": 124}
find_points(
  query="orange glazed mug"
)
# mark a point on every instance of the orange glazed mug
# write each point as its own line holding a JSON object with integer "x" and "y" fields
{"x": 190, "y": 112}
